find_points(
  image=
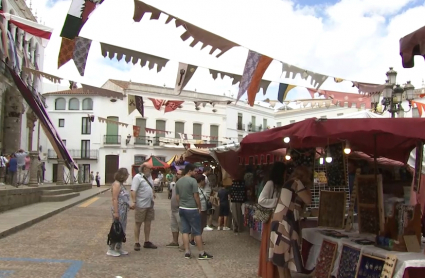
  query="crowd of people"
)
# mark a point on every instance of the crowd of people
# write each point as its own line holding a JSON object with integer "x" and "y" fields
{"x": 15, "y": 168}
{"x": 192, "y": 204}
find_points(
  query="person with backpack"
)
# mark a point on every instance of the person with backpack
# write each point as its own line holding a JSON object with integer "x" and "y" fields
{"x": 119, "y": 209}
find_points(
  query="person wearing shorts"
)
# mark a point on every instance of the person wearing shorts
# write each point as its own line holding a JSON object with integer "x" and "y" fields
{"x": 189, "y": 211}
{"x": 224, "y": 209}
{"x": 175, "y": 217}
{"x": 143, "y": 196}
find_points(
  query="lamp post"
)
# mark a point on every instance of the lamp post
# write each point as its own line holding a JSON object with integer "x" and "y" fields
{"x": 394, "y": 94}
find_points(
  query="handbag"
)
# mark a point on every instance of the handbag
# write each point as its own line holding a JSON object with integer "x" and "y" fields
{"x": 263, "y": 214}
{"x": 116, "y": 234}
{"x": 209, "y": 204}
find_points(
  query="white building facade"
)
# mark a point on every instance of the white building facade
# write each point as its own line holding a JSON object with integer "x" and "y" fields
{"x": 106, "y": 146}
{"x": 17, "y": 121}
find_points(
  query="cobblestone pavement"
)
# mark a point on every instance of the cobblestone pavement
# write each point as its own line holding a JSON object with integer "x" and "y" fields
{"x": 73, "y": 244}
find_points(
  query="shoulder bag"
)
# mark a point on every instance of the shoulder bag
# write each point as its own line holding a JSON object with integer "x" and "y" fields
{"x": 209, "y": 204}
{"x": 264, "y": 214}
{"x": 152, "y": 189}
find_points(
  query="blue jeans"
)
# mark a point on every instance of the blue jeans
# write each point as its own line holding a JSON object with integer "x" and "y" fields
{"x": 190, "y": 220}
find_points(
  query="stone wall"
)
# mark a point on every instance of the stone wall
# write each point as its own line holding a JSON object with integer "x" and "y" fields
{"x": 19, "y": 197}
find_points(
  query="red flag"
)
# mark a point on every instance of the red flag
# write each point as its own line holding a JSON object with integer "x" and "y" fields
{"x": 172, "y": 105}
{"x": 136, "y": 131}
{"x": 157, "y": 103}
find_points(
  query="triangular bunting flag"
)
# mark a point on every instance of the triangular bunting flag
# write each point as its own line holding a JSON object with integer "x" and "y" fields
{"x": 131, "y": 103}
{"x": 66, "y": 51}
{"x": 255, "y": 66}
{"x": 80, "y": 54}
{"x": 184, "y": 74}
{"x": 172, "y": 105}
{"x": 157, "y": 103}
{"x": 77, "y": 16}
{"x": 283, "y": 91}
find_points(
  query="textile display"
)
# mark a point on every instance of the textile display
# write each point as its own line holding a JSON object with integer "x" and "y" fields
{"x": 110, "y": 51}
{"x": 136, "y": 131}
{"x": 184, "y": 74}
{"x": 341, "y": 98}
{"x": 336, "y": 171}
{"x": 140, "y": 105}
{"x": 66, "y": 51}
{"x": 157, "y": 103}
{"x": 249, "y": 220}
{"x": 302, "y": 157}
{"x": 326, "y": 259}
{"x": 348, "y": 262}
{"x": 238, "y": 191}
{"x": 370, "y": 267}
{"x": 198, "y": 34}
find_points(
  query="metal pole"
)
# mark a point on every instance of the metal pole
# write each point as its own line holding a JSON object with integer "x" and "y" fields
{"x": 375, "y": 162}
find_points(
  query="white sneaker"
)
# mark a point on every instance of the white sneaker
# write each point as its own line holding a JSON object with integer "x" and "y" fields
{"x": 113, "y": 253}
{"x": 226, "y": 229}
{"x": 208, "y": 229}
{"x": 219, "y": 228}
{"x": 122, "y": 252}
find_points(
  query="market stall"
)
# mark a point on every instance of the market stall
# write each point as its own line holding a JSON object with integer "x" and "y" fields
{"x": 380, "y": 231}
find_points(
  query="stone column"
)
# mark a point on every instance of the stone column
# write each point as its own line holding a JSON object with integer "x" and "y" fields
{"x": 13, "y": 109}
{"x": 61, "y": 163}
{"x": 71, "y": 174}
{"x": 33, "y": 169}
{"x": 80, "y": 174}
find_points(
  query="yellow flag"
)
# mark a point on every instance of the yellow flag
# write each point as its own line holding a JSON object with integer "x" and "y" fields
{"x": 131, "y": 103}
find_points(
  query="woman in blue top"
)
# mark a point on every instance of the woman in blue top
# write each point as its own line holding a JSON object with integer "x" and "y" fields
{"x": 13, "y": 169}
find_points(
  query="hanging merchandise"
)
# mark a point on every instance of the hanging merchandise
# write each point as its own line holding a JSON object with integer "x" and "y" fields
{"x": 198, "y": 34}
{"x": 342, "y": 98}
{"x": 238, "y": 191}
{"x": 133, "y": 56}
{"x": 136, "y": 102}
{"x": 77, "y": 16}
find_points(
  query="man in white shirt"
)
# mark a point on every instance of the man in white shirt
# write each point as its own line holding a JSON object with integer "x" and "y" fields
{"x": 207, "y": 192}
{"x": 143, "y": 196}
{"x": 3, "y": 163}
{"x": 20, "y": 157}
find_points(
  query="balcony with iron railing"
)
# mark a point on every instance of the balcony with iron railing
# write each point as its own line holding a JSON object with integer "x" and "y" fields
{"x": 255, "y": 128}
{"x": 216, "y": 143}
{"x": 76, "y": 154}
{"x": 146, "y": 140}
{"x": 112, "y": 139}
{"x": 240, "y": 126}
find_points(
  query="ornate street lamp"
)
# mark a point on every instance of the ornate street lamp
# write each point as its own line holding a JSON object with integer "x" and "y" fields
{"x": 393, "y": 95}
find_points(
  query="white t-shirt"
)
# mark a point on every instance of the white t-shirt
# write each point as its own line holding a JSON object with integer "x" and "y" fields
{"x": 144, "y": 192}
{"x": 172, "y": 185}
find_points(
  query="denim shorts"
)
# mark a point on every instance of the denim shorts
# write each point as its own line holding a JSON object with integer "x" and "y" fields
{"x": 190, "y": 221}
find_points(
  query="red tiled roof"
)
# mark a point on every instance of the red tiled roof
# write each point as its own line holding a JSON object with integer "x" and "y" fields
{"x": 122, "y": 84}
{"x": 78, "y": 91}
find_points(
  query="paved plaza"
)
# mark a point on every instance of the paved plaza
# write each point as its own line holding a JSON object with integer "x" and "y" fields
{"x": 73, "y": 244}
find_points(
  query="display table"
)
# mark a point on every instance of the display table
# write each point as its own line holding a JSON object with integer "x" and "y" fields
{"x": 408, "y": 264}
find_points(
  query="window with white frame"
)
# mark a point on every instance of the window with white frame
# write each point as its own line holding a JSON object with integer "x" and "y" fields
{"x": 139, "y": 159}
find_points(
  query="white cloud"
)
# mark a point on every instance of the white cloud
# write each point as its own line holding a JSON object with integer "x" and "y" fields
{"x": 353, "y": 39}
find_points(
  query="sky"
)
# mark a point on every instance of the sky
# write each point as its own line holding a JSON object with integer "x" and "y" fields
{"x": 350, "y": 39}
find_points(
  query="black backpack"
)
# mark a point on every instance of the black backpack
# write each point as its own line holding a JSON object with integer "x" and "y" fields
{"x": 116, "y": 234}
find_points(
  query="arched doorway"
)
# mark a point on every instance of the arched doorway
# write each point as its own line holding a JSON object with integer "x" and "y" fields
{"x": 112, "y": 164}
